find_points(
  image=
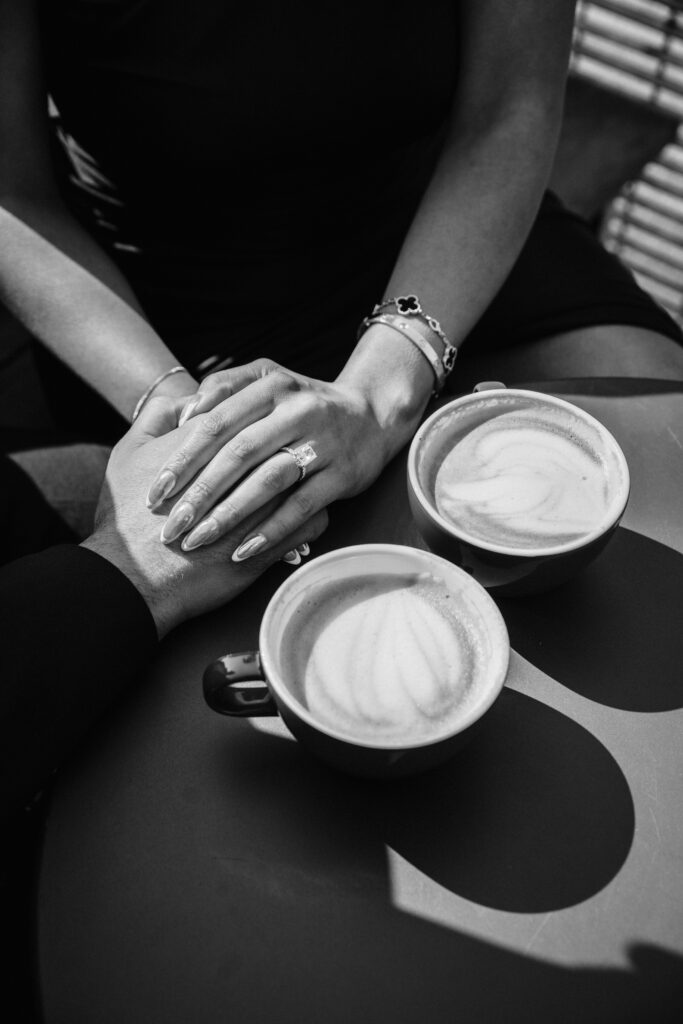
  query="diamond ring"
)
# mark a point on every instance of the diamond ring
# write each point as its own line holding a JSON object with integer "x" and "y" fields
{"x": 304, "y": 455}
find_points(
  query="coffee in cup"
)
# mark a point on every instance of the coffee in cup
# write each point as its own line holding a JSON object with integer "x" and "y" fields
{"x": 390, "y": 657}
{"x": 378, "y": 657}
{"x": 519, "y": 487}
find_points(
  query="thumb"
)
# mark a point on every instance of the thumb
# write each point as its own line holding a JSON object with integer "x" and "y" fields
{"x": 158, "y": 415}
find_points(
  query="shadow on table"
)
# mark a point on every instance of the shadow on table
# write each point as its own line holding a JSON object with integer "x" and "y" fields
{"x": 612, "y": 633}
{"x": 488, "y": 826}
{"x": 532, "y": 816}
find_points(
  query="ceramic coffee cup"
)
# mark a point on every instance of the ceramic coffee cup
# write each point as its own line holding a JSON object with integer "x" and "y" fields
{"x": 379, "y": 658}
{"x": 519, "y": 488}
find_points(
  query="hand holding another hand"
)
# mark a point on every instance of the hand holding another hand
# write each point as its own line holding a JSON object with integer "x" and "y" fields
{"x": 230, "y": 465}
{"x": 175, "y": 585}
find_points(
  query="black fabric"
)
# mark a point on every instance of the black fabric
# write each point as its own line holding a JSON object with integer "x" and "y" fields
{"x": 564, "y": 280}
{"x": 76, "y": 632}
{"x": 27, "y": 522}
{"x": 254, "y": 171}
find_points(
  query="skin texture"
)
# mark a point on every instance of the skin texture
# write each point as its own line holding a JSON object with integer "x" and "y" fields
{"x": 175, "y": 585}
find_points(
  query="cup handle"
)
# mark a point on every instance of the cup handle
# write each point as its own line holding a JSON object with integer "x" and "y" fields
{"x": 235, "y": 685}
{"x": 488, "y": 385}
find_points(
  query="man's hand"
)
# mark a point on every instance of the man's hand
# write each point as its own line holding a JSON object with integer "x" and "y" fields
{"x": 175, "y": 584}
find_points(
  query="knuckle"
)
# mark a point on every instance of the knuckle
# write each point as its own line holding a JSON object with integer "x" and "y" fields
{"x": 241, "y": 449}
{"x": 200, "y": 492}
{"x": 179, "y": 461}
{"x": 212, "y": 424}
{"x": 264, "y": 366}
{"x": 281, "y": 381}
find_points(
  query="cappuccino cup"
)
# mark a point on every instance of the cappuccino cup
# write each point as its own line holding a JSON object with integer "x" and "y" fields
{"x": 379, "y": 658}
{"x": 519, "y": 488}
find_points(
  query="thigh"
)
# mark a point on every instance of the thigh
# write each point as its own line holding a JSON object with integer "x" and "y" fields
{"x": 570, "y": 309}
{"x": 603, "y": 350}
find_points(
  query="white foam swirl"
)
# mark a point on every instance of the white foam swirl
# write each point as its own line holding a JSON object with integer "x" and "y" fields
{"x": 517, "y": 481}
{"x": 385, "y": 664}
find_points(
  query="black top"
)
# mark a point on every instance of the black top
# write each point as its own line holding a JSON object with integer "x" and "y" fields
{"x": 75, "y": 634}
{"x": 268, "y": 157}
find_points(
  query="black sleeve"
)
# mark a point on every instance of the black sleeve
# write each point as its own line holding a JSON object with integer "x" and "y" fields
{"x": 75, "y": 633}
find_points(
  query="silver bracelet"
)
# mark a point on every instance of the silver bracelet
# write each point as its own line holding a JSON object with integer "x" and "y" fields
{"x": 145, "y": 394}
{"x": 410, "y": 305}
{"x": 405, "y": 328}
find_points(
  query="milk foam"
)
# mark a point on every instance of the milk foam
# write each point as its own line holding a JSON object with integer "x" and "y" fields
{"x": 526, "y": 479}
{"x": 383, "y": 658}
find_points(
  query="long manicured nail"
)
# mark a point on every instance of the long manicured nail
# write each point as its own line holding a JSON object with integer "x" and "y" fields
{"x": 292, "y": 558}
{"x": 202, "y": 534}
{"x": 161, "y": 488}
{"x": 249, "y": 547}
{"x": 304, "y": 550}
{"x": 179, "y": 520}
{"x": 187, "y": 411}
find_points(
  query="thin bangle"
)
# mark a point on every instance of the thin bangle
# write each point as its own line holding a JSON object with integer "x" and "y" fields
{"x": 145, "y": 394}
{"x": 400, "y": 324}
{"x": 410, "y": 305}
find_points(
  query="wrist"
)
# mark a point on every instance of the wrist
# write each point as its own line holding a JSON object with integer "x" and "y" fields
{"x": 395, "y": 380}
{"x": 175, "y": 383}
{"x": 178, "y": 385}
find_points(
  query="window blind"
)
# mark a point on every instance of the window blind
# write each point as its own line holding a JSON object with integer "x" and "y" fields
{"x": 636, "y": 47}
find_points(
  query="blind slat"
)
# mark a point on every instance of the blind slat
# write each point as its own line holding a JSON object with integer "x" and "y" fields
{"x": 635, "y": 47}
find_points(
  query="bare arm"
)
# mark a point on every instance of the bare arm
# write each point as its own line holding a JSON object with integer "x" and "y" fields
{"x": 483, "y": 197}
{"x": 53, "y": 276}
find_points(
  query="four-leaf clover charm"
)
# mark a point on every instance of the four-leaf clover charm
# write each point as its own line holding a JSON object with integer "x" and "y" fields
{"x": 408, "y": 305}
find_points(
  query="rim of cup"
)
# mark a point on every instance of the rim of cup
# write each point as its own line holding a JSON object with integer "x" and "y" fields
{"x": 495, "y": 624}
{"x": 613, "y": 515}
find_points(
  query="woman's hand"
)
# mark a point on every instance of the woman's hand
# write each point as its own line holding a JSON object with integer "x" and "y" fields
{"x": 244, "y": 416}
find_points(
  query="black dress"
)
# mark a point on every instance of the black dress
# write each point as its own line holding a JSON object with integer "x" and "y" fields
{"x": 254, "y": 169}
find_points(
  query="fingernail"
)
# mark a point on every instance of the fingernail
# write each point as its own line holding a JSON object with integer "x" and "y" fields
{"x": 303, "y": 550}
{"x": 161, "y": 488}
{"x": 249, "y": 547}
{"x": 180, "y": 518}
{"x": 292, "y": 558}
{"x": 202, "y": 534}
{"x": 188, "y": 410}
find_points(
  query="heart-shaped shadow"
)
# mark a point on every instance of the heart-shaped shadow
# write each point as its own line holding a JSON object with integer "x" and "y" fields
{"x": 533, "y": 815}
{"x": 610, "y": 634}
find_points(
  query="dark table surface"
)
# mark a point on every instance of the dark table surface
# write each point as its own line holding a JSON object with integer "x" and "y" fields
{"x": 203, "y": 869}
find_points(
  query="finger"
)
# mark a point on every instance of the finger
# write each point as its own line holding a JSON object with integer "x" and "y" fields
{"x": 216, "y": 387}
{"x": 247, "y": 466}
{"x": 208, "y": 436}
{"x": 296, "y": 555}
{"x": 303, "y": 502}
{"x": 270, "y": 479}
{"x": 308, "y": 532}
{"x": 292, "y": 557}
{"x": 158, "y": 415}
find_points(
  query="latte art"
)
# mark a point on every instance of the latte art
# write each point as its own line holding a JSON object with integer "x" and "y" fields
{"x": 382, "y": 657}
{"x": 526, "y": 480}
